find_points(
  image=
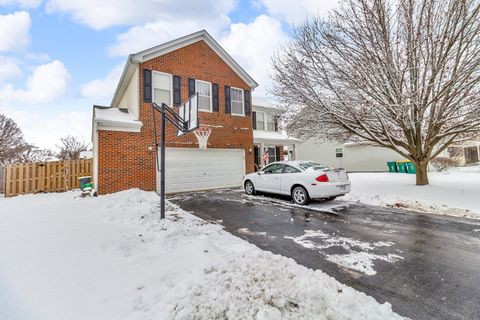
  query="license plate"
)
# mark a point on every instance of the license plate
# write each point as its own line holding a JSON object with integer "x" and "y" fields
{"x": 343, "y": 187}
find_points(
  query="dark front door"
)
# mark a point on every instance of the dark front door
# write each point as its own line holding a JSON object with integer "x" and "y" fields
{"x": 256, "y": 154}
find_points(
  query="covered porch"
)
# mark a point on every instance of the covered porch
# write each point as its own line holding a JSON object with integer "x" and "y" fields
{"x": 271, "y": 146}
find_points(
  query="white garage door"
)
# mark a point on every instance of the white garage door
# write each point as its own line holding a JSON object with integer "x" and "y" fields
{"x": 191, "y": 169}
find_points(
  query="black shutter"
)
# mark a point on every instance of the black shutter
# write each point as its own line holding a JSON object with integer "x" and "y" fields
{"x": 147, "y": 85}
{"x": 228, "y": 103}
{"x": 277, "y": 153}
{"x": 246, "y": 94}
{"x": 216, "y": 104}
{"x": 275, "y": 122}
{"x": 254, "y": 119}
{"x": 191, "y": 87}
{"x": 177, "y": 97}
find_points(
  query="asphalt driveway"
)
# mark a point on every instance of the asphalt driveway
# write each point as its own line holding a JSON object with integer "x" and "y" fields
{"x": 426, "y": 266}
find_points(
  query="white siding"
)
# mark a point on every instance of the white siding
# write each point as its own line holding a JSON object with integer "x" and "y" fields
{"x": 130, "y": 98}
{"x": 355, "y": 157}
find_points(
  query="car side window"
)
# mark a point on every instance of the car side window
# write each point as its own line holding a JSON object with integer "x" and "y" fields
{"x": 290, "y": 169}
{"x": 273, "y": 168}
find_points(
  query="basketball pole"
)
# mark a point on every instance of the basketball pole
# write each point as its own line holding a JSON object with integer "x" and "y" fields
{"x": 162, "y": 166}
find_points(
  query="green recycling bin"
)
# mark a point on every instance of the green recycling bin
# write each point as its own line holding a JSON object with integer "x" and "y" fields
{"x": 392, "y": 166}
{"x": 401, "y": 167}
{"x": 410, "y": 168}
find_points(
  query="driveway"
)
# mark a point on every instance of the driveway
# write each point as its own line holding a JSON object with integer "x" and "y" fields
{"x": 426, "y": 266}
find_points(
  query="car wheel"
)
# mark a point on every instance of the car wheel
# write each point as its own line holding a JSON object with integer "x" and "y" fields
{"x": 249, "y": 188}
{"x": 330, "y": 199}
{"x": 300, "y": 195}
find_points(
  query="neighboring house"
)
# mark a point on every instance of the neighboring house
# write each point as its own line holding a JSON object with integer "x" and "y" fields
{"x": 268, "y": 138}
{"x": 351, "y": 156}
{"x": 466, "y": 153}
{"x": 170, "y": 73}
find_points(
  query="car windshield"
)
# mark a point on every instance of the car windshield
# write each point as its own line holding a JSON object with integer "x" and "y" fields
{"x": 314, "y": 165}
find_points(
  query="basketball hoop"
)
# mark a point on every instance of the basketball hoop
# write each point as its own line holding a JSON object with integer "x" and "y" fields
{"x": 202, "y": 134}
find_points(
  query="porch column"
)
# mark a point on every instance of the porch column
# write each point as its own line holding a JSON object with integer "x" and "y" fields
{"x": 294, "y": 152}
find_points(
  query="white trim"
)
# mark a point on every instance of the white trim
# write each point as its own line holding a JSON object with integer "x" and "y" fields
{"x": 181, "y": 42}
{"x": 171, "y": 85}
{"x": 243, "y": 103}
{"x": 211, "y": 95}
{"x": 265, "y": 122}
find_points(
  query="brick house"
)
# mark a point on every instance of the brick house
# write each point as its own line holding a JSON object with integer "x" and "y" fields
{"x": 122, "y": 135}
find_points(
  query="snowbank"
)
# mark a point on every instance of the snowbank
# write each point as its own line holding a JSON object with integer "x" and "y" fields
{"x": 110, "y": 257}
{"x": 454, "y": 193}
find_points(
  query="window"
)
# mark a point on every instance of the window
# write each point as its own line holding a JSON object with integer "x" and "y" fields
{"x": 266, "y": 121}
{"x": 270, "y": 122}
{"x": 237, "y": 101}
{"x": 339, "y": 152}
{"x": 204, "y": 90}
{"x": 162, "y": 88}
{"x": 274, "y": 168}
{"x": 290, "y": 169}
{"x": 316, "y": 166}
{"x": 260, "y": 120}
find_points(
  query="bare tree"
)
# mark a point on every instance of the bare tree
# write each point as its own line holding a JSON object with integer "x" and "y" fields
{"x": 12, "y": 143}
{"x": 401, "y": 74}
{"x": 70, "y": 148}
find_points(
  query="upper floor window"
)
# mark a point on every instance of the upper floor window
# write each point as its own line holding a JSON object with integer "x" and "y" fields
{"x": 260, "y": 119}
{"x": 270, "y": 122}
{"x": 204, "y": 90}
{"x": 265, "y": 121}
{"x": 339, "y": 152}
{"x": 237, "y": 101}
{"x": 162, "y": 88}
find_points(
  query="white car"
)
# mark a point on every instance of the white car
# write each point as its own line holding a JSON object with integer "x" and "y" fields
{"x": 302, "y": 180}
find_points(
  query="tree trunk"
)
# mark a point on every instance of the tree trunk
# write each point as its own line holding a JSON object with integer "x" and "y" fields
{"x": 422, "y": 174}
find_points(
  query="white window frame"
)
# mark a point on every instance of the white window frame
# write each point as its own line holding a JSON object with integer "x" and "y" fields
{"x": 171, "y": 86}
{"x": 211, "y": 95}
{"x": 243, "y": 103}
{"x": 265, "y": 127}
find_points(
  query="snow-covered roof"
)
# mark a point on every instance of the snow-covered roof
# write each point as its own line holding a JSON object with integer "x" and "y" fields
{"x": 108, "y": 118}
{"x": 272, "y": 137}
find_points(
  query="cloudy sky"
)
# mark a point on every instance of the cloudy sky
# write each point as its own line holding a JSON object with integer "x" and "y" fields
{"x": 59, "y": 57}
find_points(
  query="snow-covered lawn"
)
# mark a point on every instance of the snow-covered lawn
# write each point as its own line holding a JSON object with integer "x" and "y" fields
{"x": 456, "y": 192}
{"x": 63, "y": 257}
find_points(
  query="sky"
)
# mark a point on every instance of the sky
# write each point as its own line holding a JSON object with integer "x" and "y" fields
{"x": 60, "y": 57}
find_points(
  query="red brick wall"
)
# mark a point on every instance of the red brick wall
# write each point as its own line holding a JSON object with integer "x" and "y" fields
{"x": 123, "y": 159}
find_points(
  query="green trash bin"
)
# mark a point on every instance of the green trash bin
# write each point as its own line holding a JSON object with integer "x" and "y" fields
{"x": 401, "y": 167}
{"x": 392, "y": 166}
{"x": 410, "y": 168}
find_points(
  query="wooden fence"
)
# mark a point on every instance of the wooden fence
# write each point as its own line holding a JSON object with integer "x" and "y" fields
{"x": 50, "y": 176}
{"x": 2, "y": 180}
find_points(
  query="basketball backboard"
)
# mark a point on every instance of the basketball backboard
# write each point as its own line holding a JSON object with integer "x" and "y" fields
{"x": 188, "y": 112}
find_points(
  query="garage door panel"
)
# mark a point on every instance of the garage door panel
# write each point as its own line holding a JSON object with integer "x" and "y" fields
{"x": 195, "y": 169}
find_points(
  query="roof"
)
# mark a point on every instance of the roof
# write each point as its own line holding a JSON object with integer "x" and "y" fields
{"x": 148, "y": 54}
{"x": 272, "y": 137}
{"x": 114, "y": 118}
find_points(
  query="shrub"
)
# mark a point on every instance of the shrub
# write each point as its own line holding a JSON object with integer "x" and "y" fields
{"x": 444, "y": 163}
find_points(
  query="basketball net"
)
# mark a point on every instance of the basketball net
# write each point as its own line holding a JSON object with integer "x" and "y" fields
{"x": 202, "y": 134}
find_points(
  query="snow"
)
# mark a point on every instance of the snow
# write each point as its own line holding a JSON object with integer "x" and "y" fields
{"x": 64, "y": 257}
{"x": 454, "y": 193}
{"x": 272, "y": 136}
{"x": 115, "y": 115}
{"x": 358, "y": 255}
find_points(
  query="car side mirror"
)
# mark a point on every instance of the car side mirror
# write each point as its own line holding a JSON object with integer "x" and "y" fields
{"x": 260, "y": 173}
